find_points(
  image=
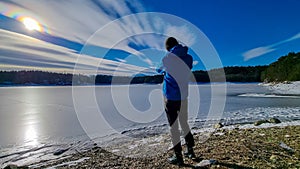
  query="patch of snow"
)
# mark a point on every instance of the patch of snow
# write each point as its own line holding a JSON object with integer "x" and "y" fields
{"x": 132, "y": 146}
{"x": 286, "y": 147}
{"x": 269, "y": 125}
{"x": 219, "y": 134}
{"x": 69, "y": 163}
{"x": 206, "y": 163}
{"x": 268, "y": 95}
{"x": 286, "y": 88}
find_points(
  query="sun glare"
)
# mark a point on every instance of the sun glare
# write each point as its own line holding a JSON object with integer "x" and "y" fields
{"x": 31, "y": 24}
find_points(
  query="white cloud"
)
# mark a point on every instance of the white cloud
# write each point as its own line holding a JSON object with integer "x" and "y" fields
{"x": 259, "y": 51}
{"x": 297, "y": 36}
{"x": 256, "y": 52}
{"x": 78, "y": 20}
{"x": 20, "y": 52}
{"x": 182, "y": 33}
{"x": 195, "y": 62}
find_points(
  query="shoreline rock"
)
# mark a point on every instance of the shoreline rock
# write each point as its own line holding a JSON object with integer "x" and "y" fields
{"x": 218, "y": 125}
{"x": 271, "y": 120}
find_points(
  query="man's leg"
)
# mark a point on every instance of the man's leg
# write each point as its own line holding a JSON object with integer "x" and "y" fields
{"x": 189, "y": 139}
{"x": 171, "y": 108}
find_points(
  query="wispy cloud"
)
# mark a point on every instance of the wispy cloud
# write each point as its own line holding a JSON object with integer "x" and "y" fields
{"x": 297, "y": 36}
{"x": 259, "y": 51}
{"x": 75, "y": 20}
{"x": 78, "y": 20}
{"x": 20, "y": 52}
{"x": 256, "y": 52}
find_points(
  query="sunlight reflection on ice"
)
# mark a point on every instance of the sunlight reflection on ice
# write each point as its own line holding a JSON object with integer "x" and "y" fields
{"x": 31, "y": 138}
{"x": 31, "y": 120}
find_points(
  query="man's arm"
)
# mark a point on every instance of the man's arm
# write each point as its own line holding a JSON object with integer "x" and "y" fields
{"x": 190, "y": 61}
{"x": 161, "y": 69}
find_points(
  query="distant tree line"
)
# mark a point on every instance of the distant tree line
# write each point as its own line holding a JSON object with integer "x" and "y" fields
{"x": 232, "y": 74}
{"x": 106, "y": 79}
{"x": 34, "y": 77}
{"x": 51, "y": 78}
{"x": 286, "y": 68}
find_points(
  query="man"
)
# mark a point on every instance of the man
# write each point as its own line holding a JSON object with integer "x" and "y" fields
{"x": 177, "y": 65}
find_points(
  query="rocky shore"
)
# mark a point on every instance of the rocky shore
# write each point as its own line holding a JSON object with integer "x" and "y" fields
{"x": 272, "y": 147}
{"x": 237, "y": 147}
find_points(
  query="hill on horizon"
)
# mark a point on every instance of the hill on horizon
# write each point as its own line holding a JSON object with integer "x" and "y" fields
{"x": 286, "y": 68}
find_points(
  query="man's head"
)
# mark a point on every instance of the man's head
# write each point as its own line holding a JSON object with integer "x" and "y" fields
{"x": 170, "y": 43}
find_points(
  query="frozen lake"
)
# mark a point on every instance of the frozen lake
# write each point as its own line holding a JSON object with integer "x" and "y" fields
{"x": 33, "y": 117}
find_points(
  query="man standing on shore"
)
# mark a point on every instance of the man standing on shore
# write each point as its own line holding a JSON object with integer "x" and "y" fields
{"x": 177, "y": 65}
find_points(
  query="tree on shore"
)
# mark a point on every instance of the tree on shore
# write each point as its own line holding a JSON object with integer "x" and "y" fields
{"x": 286, "y": 68}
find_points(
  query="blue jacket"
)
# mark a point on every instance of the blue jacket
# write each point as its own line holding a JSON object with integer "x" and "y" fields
{"x": 177, "y": 65}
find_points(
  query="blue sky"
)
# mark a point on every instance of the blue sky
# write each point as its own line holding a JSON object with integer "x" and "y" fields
{"x": 249, "y": 32}
{"x": 236, "y": 27}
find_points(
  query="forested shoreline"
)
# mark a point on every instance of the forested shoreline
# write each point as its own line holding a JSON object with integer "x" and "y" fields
{"x": 233, "y": 74}
{"x": 286, "y": 68}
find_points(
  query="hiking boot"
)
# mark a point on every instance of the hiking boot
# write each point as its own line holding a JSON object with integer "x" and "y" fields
{"x": 189, "y": 153}
{"x": 176, "y": 159}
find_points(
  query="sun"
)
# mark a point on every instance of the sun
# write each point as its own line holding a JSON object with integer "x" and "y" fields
{"x": 31, "y": 24}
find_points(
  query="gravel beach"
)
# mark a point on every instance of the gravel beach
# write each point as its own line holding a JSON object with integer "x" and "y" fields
{"x": 271, "y": 147}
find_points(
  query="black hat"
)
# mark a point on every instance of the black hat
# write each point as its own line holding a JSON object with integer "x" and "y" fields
{"x": 170, "y": 43}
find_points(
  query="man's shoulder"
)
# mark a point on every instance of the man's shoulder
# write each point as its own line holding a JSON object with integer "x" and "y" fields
{"x": 169, "y": 55}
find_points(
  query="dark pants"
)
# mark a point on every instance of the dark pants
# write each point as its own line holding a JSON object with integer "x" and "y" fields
{"x": 177, "y": 111}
